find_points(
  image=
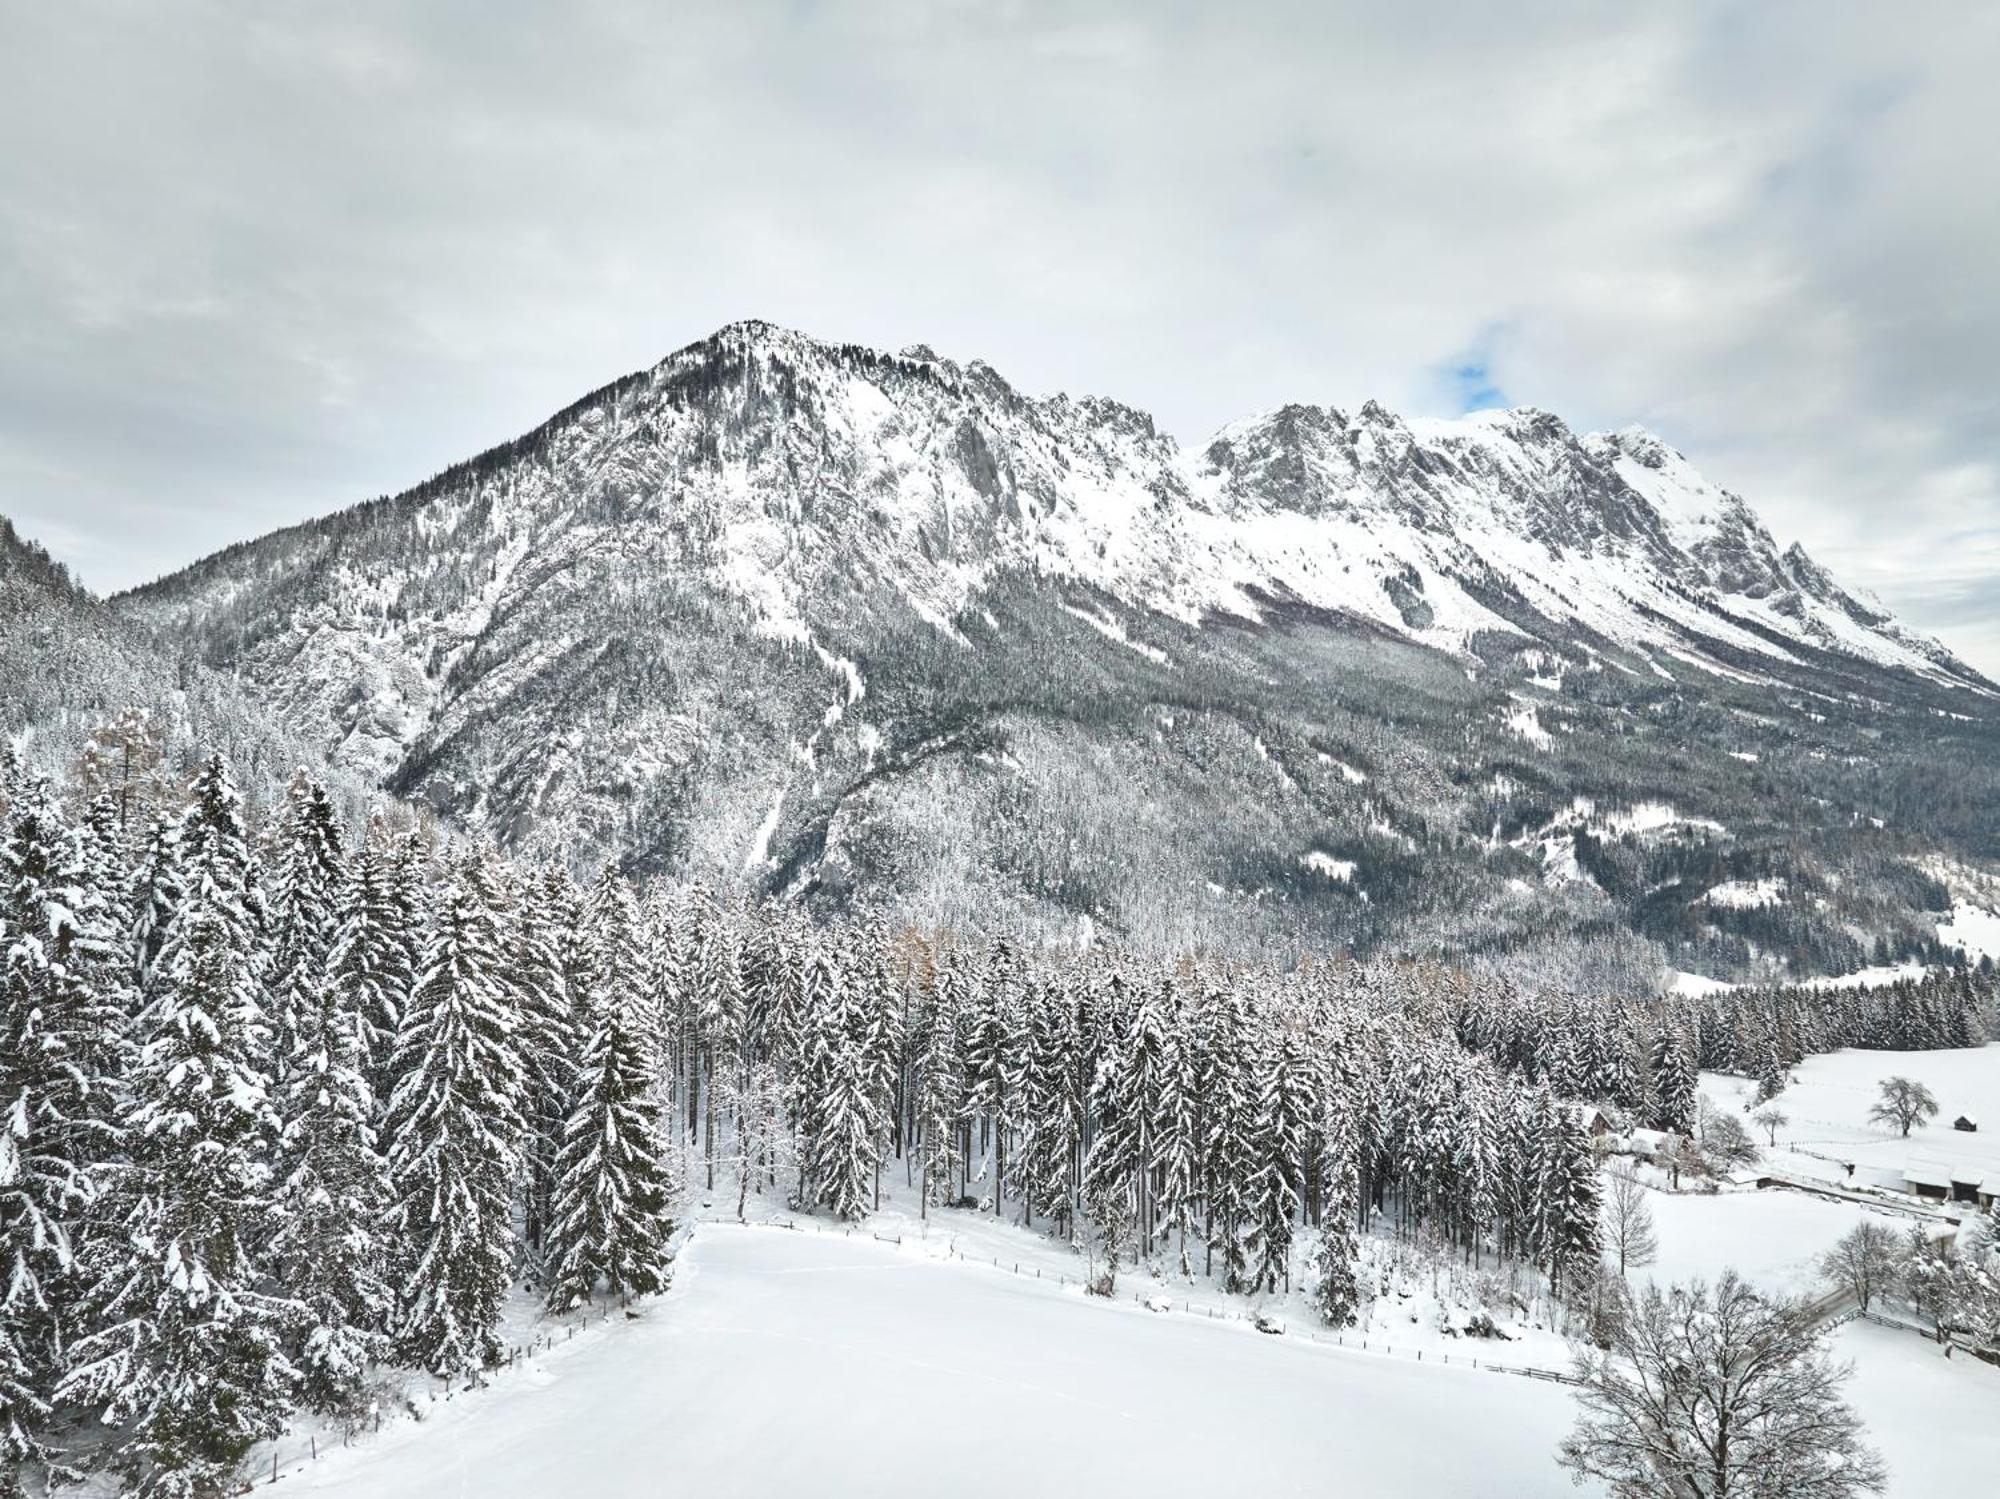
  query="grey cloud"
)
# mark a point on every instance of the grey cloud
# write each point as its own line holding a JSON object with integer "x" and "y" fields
{"x": 260, "y": 260}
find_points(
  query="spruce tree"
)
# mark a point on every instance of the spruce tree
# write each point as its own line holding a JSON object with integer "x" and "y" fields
{"x": 1051, "y": 1110}
{"x": 940, "y": 1095}
{"x": 454, "y": 1136}
{"x": 368, "y": 967}
{"x": 1337, "y": 1289}
{"x": 59, "y": 1031}
{"x": 305, "y": 892}
{"x": 552, "y": 998}
{"x": 327, "y": 1246}
{"x": 844, "y": 1143}
{"x": 1284, "y": 1110}
{"x": 610, "y": 1218}
{"x": 185, "y": 1354}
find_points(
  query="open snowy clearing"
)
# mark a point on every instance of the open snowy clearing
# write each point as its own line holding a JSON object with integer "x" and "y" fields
{"x": 1828, "y": 1102}
{"x": 1930, "y": 1417}
{"x": 811, "y": 1363}
{"x": 1773, "y": 1239}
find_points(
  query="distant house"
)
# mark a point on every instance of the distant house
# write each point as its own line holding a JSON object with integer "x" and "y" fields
{"x": 1966, "y": 1123}
{"x": 1593, "y": 1119}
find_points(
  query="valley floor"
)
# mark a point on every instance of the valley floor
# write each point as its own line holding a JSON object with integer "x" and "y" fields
{"x": 830, "y": 1365}
{"x": 827, "y": 1363}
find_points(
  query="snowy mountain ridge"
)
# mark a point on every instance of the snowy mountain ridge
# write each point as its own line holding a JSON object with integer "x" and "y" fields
{"x": 1433, "y": 529}
{"x": 777, "y": 610}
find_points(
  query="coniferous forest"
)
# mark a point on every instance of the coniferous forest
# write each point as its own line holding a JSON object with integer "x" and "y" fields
{"x": 293, "y": 1102}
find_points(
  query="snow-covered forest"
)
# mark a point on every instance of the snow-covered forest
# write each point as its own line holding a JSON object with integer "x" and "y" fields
{"x": 293, "y": 1100}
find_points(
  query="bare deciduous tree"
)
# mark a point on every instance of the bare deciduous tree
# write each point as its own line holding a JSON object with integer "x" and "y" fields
{"x": 1628, "y": 1222}
{"x": 1864, "y": 1260}
{"x": 1770, "y": 1121}
{"x": 1717, "y": 1395}
{"x": 1725, "y": 1143}
{"x": 1904, "y": 1104}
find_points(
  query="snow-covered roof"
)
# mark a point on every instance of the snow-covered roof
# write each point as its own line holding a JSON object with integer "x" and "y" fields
{"x": 1927, "y": 1174}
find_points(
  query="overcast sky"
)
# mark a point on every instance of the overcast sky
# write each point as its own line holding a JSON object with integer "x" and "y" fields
{"x": 261, "y": 260}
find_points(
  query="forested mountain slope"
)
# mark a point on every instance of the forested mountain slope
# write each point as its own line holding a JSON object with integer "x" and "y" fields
{"x": 846, "y": 624}
{"x": 78, "y": 680}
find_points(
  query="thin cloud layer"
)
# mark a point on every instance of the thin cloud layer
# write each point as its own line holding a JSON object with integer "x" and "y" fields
{"x": 259, "y": 261}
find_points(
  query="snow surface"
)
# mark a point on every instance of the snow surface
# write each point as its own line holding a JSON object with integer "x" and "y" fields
{"x": 1930, "y": 1417}
{"x": 1828, "y": 1103}
{"x": 1773, "y": 1238}
{"x": 1321, "y": 862}
{"x": 1747, "y": 895}
{"x": 824, "y": 1365}
{"x": 1974, "y": 930}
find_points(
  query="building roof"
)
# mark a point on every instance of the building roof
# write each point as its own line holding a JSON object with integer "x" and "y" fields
{"x": 1928, "y": 1174}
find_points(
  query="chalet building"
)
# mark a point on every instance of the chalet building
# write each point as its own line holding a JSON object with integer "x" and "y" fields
{"x": 1966, "y": 1124}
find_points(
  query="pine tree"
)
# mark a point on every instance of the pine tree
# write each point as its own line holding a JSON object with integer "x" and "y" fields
{"x": 186, "y": 1352}
{"x": 455, "y": 1130}
{"x": 610, "y": 1221}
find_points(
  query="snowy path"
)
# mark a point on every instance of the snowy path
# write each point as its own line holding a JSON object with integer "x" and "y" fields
{"x": 831, "y": 1366}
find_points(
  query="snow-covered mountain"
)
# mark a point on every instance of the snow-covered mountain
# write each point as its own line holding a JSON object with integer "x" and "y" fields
{"x": 71, "y": 668}
{"x": 822, "y": 618}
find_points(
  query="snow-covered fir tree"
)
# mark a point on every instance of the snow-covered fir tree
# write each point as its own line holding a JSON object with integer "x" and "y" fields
{"x": 610, "y": 1217}
{"x": 185, "y": 1354}
{"x": 60, "y": 1028}
{"x": 327, "y": 1245}
{"x": 454, "y": 1135}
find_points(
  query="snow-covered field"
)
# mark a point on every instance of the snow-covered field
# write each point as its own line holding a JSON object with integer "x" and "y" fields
{"x": 825, "y": 1365}
{"x": 1772, "y": 1239}
{"x": 1930, "y": 1417}
{"x": 1828, "y": 1104}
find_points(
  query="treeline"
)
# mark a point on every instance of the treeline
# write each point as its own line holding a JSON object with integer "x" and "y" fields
{"x": 1645, "y": 1057}
{"x": 285, "y": 1110}
{"x": 288, "y": 1108}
